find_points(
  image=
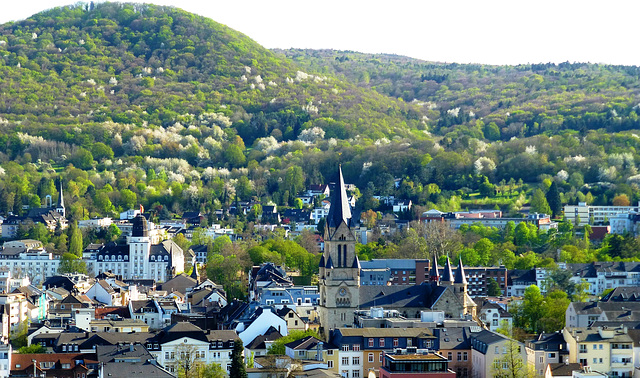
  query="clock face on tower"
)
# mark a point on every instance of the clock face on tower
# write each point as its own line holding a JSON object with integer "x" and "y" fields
{"x": 342, "y": 292}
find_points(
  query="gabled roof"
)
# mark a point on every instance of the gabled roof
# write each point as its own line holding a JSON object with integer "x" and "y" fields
{"x": 272, "y": 334}
{"x": 306, "y": 343}
{"x": 561, "y": 369}
{"x": 180, "y": 330}
{"x": 179, "y": 283}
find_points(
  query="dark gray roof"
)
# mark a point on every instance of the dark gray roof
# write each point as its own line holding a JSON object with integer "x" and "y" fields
{"x": 460, "y": 276}
{"x": 179, "y": 283}
{"x": 453, "y": 337}
{"x": 561, "y": 369}
{"x": 180, "y": 330}
{"x": 306, "y": 343}
{"x": 399, "y": 296}
{"x": 135, "y": 369}
{"x": 111, "y": 353}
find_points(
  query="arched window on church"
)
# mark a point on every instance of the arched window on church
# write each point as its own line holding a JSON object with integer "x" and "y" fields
{"x": 339, "y": 255}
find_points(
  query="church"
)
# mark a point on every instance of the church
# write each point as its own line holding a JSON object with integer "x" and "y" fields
{"x": 339, "y": 278}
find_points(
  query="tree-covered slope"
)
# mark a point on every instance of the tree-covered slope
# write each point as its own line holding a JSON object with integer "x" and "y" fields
{"x": 145, "y": 64}
{"x": 508, "y": 101}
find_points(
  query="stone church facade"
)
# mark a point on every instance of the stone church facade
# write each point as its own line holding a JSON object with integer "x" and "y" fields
{"x": 339, "y": 278}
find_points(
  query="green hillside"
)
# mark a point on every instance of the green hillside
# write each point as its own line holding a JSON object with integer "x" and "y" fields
{"x": 520, "y": 101}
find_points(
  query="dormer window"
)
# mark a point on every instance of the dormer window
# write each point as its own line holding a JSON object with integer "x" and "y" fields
{"x": 126, "y": 258}
{"x": 166, "y": 258}
{"x": 153, "y": 258}
{"x": 100, "y": 258}
{"x": 120, "y": 258}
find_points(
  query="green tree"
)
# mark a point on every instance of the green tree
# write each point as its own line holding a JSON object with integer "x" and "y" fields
{"x": 532, "y": 308}
{"x": 493, "y": 289}
{"x": 553, "y": 199}
{"x": 75, "y": 243}
{"x": 277, "y": 347}
{"x": 539, "y": 203}
{"x": 238, "y": 369}
{"x": 513, "y": 363}
{"x": 31, "y": 349}
{"x": 70, "y": 263}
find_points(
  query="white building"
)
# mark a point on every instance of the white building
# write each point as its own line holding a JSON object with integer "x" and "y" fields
{"x": 595, "y": 214}
{"x": 176, "y": 341}
{"x": 139, "y": 258}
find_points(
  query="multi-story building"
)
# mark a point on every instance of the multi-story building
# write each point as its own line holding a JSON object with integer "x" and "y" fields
{"x": 424, "y": 365}
{"x": 139, "y": 258}
{"x": 26, "y": 259}
{"x": 492, "y": 352}
{"x": 291, "y": 296}
{"x": 491, "y": 218}
{"x": 356, "y": 351}
{"x": 392, "y": 271}
{"x": 588, "y": 214}
{"x": 185, "y": 340}
{"x": 547, "y": 348}
{"x": 608, "y": 350}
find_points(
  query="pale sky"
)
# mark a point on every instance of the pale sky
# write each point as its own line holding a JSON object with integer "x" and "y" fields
{"x": 462, "y": 31}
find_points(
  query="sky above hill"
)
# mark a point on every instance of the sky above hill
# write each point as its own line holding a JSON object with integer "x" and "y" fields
{"x": 462, "y": 31}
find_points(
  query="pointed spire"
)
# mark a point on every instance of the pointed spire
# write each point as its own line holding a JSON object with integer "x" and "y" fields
{"x": 356, "y": 263}
{"x": 434, "y": 275}
{"x": 60, "y": 204}
{"x": 329, "y": 264}
{"x": 340, "y": 210}
{"x": 322, "y": 261}
{"x": 447, "y": 275}
{"x": 195, "y": 274}
{"x": 460, "y": 275}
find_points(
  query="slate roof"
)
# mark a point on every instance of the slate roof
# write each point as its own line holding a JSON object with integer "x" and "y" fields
{"x": 179, "y": 283}
{"x": 399, "y": 296}
{"x": 109, "y": 353}
{"x": 451, "y": 338}
{"x": 180, "y": 330}
{"x": 137, "y": 369}
{"x": 306, "y": 343}
{"x": 623, "y": 294}
{"x": 259, "y": 342}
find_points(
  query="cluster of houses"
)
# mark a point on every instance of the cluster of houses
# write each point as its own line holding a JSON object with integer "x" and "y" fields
{"x": 136, "y": 314}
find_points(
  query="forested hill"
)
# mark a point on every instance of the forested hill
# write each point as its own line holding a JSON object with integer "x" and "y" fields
{"x": 145, "y": 64}
{"x": 521, "y": 101}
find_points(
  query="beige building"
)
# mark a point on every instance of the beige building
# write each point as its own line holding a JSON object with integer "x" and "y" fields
{"x": 603, "y": 349}
{"x": 492, "y": 352}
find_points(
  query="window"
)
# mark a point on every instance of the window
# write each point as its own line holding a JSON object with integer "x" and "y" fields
{"x": 371, "y": 357}
{"x": 345, "y": 348}
{"x": 583, "y": 348}
{"x": 381, "y": 342}
{"x": 583, "y": 362}
{"x": 595, "y": 360}
{"x": 371, "y": 343}
{"x": 355, "y": 361}
{"x": 541, "y": 359}
{"x": 395, "y": 342}
{"x": 465, "y": 356}
{"x": 551, "y": 355}
{"x": 459, "y": 356}
{"x": 355, "y": 373}
{"x": 449, "y": 356}
{"x": 380, "y": 355}
{"x": 356, "y": 347}
{"x": 330, "y": 352}
{"x": 345, "y": 360}
{"x": 330, "y": 364}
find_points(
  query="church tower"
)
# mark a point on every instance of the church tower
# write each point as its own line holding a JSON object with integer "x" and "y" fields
{"x": 339, "y": 265}
{"x": 60, "y": 205}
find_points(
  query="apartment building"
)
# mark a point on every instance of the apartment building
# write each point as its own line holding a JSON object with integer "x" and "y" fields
{"x": 605, "y": 349}
{"x": 588, "y": 214}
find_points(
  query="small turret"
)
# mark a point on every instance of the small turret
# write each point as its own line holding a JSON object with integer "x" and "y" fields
{"x": 447, "y": 275}
{"x": 434, "y": 275}
{"x": 60, "y": 204}
{"x": 460, "y": 275}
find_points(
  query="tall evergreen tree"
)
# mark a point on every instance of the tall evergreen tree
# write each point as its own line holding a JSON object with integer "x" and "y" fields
{"x": 75, "y": 243}
{"x": 539, "y": 203}
{"x": 553, "y": 199}
{"x": 238, "y": 369}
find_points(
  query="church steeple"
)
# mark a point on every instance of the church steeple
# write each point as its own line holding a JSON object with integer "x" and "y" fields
{"x": 447, "y": 275}
{"x": 460, "y": 275}
{"x": 340, "y": 210}
{"x": 60, "y": 204}
{"x": 434, "y": 275}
